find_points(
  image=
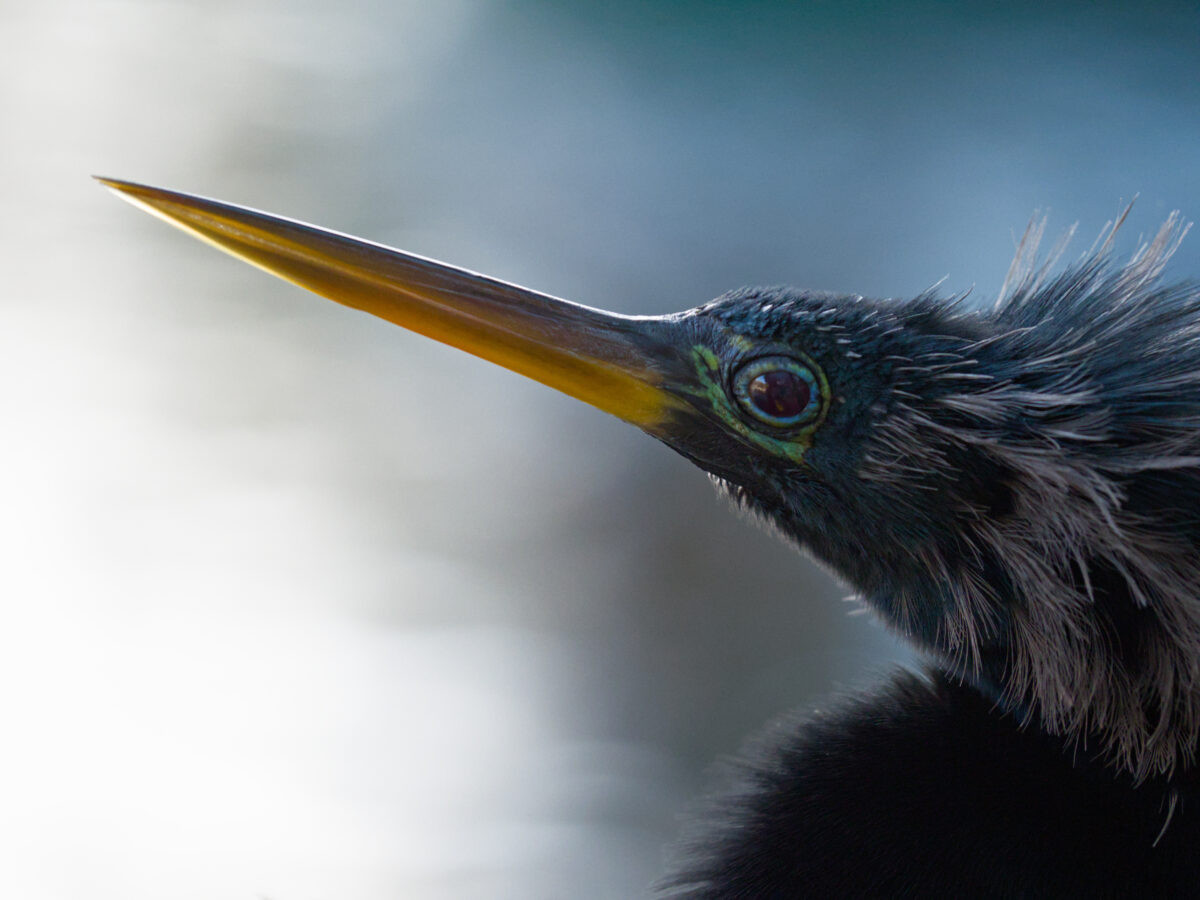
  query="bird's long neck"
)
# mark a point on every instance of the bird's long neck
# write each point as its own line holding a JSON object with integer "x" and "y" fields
{"x": 1098, "y": 649}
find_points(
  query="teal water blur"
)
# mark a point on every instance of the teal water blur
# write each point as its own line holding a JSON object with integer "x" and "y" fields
{"x": 297, "y": 605}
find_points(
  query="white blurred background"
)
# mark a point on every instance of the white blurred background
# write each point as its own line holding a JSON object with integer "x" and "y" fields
{"x": 295, "y": 605}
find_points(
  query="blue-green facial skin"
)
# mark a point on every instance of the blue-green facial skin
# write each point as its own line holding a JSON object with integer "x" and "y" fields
{"x": 810, "y": 467}
{"x": 715, "y": 386}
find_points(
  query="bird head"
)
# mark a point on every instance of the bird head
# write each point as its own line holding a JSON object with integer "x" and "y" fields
{"x": 1015, "y": 490}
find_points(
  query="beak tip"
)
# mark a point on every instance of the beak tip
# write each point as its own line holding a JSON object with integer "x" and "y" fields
{"x": 128, "y": 190}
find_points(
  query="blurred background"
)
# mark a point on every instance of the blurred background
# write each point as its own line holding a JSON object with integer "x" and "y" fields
{"x": 295, "y": 605}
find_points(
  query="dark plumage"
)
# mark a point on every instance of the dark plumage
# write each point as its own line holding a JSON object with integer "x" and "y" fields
{"x": 1020, "y": 498}
{"x": 1016, "y": 491}
{"x": 926, "y": 790}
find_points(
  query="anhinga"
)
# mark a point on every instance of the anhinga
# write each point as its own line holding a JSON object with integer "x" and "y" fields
{"x": 1015, "y": 490}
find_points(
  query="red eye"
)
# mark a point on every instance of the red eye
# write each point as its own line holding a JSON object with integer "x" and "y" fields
{"x": 780, "y": 394}
{"x": 778, "y": 390}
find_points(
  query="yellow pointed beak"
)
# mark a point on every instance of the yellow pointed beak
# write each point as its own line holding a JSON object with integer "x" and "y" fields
{"x": 619, "y": 364}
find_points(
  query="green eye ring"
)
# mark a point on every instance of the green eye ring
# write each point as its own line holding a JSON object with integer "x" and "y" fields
{"x": 779, "y": 391}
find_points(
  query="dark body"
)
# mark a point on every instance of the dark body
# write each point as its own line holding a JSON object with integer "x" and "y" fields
{"x": 926, "y": 790}
{"x": 1033, "y": 525}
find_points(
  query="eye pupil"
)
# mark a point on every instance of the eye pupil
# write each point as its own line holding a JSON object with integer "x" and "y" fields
{"x": 780, "y": 394}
